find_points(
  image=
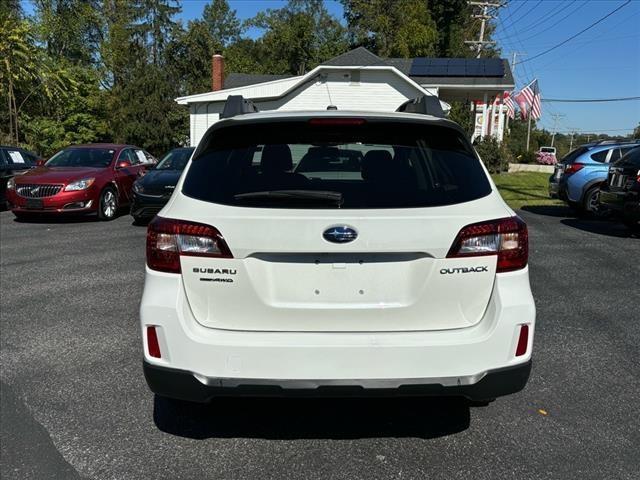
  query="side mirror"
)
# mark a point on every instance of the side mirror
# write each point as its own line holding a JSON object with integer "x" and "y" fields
{"x": 123, "y": 164}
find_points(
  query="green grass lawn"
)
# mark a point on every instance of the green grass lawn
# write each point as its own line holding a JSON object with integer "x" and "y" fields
{"x": 524, "y": 188}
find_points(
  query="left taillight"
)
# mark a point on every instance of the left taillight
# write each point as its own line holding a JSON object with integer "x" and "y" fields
{"x": 507, "y": 238}
{"x": 168, "y": 239}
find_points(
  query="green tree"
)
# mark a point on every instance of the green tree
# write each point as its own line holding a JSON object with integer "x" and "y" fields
{"x": 28, "y": 77}
{"x": 154, "y": 24}
{"x": 189, "y": 58}
{"x": 298, "y": 37}
{"x": 223, "y": 24}
{"x": 636, "y": 132}
{"x": 392, "y": 28}
{"x": 144, "y": 113}
{"x": 69, "y": 29}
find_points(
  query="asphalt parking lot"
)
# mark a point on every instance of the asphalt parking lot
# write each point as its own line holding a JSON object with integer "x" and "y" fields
{"x": 75, "y": 404}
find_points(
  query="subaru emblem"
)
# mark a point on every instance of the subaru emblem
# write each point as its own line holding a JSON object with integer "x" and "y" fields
{"x": 340, "y": 234}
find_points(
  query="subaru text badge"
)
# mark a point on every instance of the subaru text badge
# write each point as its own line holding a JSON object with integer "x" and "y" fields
{"x": 340, "y": 234}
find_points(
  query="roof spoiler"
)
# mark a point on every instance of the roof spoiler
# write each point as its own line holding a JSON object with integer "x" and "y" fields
{"x": 237, "y": 105}
{"x": 426, "y": 105}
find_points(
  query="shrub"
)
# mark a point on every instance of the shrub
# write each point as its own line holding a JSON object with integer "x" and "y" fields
{"x": 526, "y": 157}
{"x": 545, "y": 158}
{"x": 494, "y": 155}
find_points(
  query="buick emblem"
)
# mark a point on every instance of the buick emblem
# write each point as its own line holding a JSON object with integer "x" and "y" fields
{"x": 340, "y": 234}
{"x": 34, "y": 191}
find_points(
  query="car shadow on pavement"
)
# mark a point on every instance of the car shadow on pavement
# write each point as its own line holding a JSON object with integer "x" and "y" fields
{"x": 57, "y": 219}
{"x": 550, "y": 210}
{"x": 313, "y": 418}
{"x": 609, "y": 228}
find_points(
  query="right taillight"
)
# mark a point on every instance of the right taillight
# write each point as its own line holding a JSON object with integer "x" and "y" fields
{"x": 506, "y": 237}
{"x": 573, "y": 168}
{"x": 168, "y": 239}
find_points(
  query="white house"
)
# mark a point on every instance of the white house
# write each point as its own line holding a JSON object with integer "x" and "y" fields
{"x": 359, "y": 80}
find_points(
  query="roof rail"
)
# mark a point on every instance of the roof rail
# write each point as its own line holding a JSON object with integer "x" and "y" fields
{"x": 426, "y": 105}
{"x": 237, "y": 105}
{"x": 614, "y": 141}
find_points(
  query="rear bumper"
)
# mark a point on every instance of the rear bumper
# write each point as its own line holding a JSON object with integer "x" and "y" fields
{"x": 201, "y": 360}
{"x": 626, "y": 204}
{"x": 146, "y": 206}
{"x": 184, "y": 385}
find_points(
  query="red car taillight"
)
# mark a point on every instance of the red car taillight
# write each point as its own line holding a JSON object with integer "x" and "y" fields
{"x": 168, "y": 239}
{"x": 573, "y": 168}
{"x": 507, "y": 238}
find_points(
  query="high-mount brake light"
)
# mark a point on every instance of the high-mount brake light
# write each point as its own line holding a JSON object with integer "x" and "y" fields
{"x": 505, "y": 237}
{"x": 573, "y": 168}
{"x": 168, "y": 239}
{"x": 338, "y": 121}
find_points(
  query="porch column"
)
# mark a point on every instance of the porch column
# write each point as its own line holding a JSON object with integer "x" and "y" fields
{"x": 485, "y": 115}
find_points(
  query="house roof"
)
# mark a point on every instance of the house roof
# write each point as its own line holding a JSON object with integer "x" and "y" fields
{"x": 280, "y": 87}
{"x": 360, "y": 57}
{"x": 235, "y": 80}
{"x": 276, "y": 85}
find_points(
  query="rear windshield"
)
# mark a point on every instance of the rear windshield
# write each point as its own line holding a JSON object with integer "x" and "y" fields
{"x": 573, "y": 155}
{"x": 175, "y": 160}
{"x": 308, "y": 165}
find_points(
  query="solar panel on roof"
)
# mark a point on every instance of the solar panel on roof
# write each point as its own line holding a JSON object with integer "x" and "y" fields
{"x": 493, "y": 67}
{"x": 457, "y": 67}
{"x": 475, "y": 69}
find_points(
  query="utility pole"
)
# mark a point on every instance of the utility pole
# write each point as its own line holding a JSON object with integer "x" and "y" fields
{"x": 514, "y": 57}
{"x": 479, "y": 44}
{"x": 556, "y": 117}
{"x": 571, "y": 142}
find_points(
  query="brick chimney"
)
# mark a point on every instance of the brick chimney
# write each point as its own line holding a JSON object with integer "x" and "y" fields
{"x": 217, "y": 73}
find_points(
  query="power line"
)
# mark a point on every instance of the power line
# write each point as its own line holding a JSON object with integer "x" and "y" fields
{"x": 579, "y": 33}
{"x": 537, "y": 34}
{"x": 579, "y": 45}
{"x": 595, "y": 130}
{"x": 589, "y": 100}
{"x": 546, "y": 17}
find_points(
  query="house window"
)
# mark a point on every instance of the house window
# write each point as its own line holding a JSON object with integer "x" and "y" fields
{"x": 355, "y": 77}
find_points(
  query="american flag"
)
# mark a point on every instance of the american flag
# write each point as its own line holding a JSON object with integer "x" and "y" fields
{"x": 531, "y": 94}
{"x": 522, "y": 103}
{"x": 508, "y": 101}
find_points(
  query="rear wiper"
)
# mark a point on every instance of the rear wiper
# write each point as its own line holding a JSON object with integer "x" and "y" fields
{"x": 317, "y": 195}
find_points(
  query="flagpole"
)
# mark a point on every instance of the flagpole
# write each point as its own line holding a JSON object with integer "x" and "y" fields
{"x": 529, "y": 130}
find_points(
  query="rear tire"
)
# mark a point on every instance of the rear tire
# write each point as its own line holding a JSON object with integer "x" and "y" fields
{"x": 591, "y": 204}
{"x": 108, "y": 204}
{"x": 634, "y": 226}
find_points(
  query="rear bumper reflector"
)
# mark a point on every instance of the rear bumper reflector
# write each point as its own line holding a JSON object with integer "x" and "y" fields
{"x": 523, "y": 341}
{"x": 152, "y": 343}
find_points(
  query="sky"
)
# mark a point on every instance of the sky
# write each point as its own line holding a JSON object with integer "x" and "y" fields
{"x": 602, "y": 62}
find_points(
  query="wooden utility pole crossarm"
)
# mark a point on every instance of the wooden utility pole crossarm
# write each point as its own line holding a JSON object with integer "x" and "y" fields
{"x": 479, "y": 44}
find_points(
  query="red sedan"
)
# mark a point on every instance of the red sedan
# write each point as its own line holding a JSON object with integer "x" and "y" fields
{"x": 95, "y": 178}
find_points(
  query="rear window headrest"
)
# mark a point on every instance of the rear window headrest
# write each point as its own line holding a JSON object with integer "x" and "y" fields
{"x": 376, "y": 164}
{"x": 276, "y": 159}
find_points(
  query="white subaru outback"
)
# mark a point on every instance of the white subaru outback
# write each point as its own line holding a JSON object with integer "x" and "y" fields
{"x": 336, "y": 253}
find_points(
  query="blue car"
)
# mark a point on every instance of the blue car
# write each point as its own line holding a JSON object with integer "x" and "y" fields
{"x": 578, "y": 176}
